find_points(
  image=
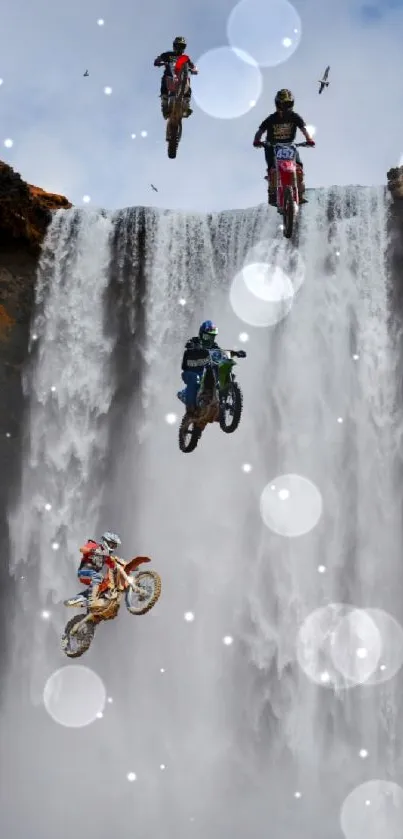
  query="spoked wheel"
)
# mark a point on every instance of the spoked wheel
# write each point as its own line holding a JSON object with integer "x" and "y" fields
{"x": 138, "y": 603}
{"x": 77, "y": 644}
{"x": 189, "y": 435}
{"x": 231, "y": 409}
{"x": 174, "y": 133}
{"x": 289, "y": 214}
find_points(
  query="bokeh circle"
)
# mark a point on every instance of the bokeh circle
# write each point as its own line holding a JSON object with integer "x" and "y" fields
{"x": 74, "y": 696}
{"x": 291, "y": 505}
{"x": 261, "y": 294}
{"x": 356, "y": 646}
{"x": 313, "y": 647}
{"x": 268, "y": 31}
{"x": 228, "y": 85}
{"x": 373, "y": 810}
{"x": 339, "y": 646}
{"x": 391, "y": 658}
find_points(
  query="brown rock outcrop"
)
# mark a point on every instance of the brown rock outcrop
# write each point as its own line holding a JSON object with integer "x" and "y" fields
{"x": 395, "y": 182}
{"x": 25, "y": 211}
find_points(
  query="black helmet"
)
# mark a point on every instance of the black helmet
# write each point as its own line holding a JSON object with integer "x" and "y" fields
{"x": 179, "y": 44}
{"x": 284, "y": 100}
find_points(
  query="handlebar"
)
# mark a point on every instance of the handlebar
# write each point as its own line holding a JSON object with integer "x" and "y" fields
{"x": 194, "y": 71}
{"x": 234, "y": 353}
{"x": 304, "y": 144}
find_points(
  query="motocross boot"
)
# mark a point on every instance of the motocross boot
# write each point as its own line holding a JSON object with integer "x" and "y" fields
{"x": 271, "y": 178}
{"x": 78, "y": 599}
{"x": 95, "y": 603}
{"x": 186, "y": 109}
{"x": 164, "y": 106}
{"x": 301, "y": 185}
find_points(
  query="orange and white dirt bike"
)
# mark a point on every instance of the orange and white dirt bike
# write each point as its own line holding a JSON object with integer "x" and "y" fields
{"x": 177, "y": 86}
{"x": 141, "y": 590}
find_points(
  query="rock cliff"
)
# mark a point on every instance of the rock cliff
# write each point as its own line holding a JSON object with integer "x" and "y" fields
{"x": 25, "y": 212}
{"x": 395, "y": 249}
{"x": 395, "y": 183}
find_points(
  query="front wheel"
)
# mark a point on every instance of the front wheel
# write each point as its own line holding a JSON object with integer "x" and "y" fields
{"x": 189, "y": 435}
{"x": 174, "y": 133}
{"x": 76, "y": 645}
{"x": 231, "y": 408}
{"x": 138, "y": 603}
{"x": 289, "y": 213}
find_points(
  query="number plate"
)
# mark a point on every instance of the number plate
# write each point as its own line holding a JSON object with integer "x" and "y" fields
{"x": 286, "y": 153}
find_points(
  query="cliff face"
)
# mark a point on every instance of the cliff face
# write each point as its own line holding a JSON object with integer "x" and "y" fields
{"x": 25, "y": 212}
{"x": 395, "y": 230}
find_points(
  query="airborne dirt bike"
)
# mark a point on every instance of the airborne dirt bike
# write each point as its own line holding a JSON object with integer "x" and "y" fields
{"x": 283, "y": 177}
{"x": 177, "y": 85}
{"x": 219, "y": 397}
{"x": 141, "y": 591}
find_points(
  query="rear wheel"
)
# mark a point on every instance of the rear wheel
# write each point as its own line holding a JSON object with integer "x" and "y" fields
{"x": 231, "y": 409}
{"x": 138, "y": 603}
{"x": 76, "y": 645}
{"x": 189, "y": 435}
{"x": 289, "y": 213}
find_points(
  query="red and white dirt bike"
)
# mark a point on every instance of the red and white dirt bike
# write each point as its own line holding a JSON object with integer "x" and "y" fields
{"x": 283, "y": 178}
{"x": 177, "y": 85}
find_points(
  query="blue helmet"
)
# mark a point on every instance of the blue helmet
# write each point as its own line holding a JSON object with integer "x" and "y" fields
{"x": 208, "y": 332}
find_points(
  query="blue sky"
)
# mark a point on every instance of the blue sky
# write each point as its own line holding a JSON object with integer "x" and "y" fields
{"x": 69, "y": 136}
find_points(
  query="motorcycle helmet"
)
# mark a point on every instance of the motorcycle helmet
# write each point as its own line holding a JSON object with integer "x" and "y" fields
{"x": 179, "y": 44}
{"x": 208, "y": 333}
{"x": 284, "y": 100}
{"x": 111, "y": 541}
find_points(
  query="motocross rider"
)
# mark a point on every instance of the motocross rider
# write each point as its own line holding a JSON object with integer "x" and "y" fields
{"x": 194, "y": 361}
{"x": 168, "y": 59}
{"x": 91, "y": 570}
{"x": 281, "y": 127}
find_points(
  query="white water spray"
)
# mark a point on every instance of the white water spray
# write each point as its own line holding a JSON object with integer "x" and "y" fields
{"x": 69, "y": 389}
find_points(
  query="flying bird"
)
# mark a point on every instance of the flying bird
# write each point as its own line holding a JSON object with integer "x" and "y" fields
{"x": 86, "y": 73}
{"x": 154, "y": 187}
{"x": 324, "y": 82}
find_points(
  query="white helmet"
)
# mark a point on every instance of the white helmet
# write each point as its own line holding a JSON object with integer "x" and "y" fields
{"x": 111, "y": 541}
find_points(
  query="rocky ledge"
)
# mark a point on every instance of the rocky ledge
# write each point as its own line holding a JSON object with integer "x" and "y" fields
{"x": 395, "y": 183}
{"x": 25, "y": 211}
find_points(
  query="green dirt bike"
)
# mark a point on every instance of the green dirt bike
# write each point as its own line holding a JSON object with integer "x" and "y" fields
{"x": 219, "y": 399}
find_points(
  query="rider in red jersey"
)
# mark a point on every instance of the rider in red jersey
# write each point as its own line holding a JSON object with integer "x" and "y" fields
{"x": 169, "y": 59}
{"x": 96, "y": 556}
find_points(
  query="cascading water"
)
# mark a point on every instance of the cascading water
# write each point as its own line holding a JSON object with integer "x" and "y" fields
{"x": 69, "y": 391}
{"x": 211, "y": 713}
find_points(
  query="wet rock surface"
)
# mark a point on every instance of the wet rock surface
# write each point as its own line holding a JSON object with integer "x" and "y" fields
{"x": 25, "y": 212}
